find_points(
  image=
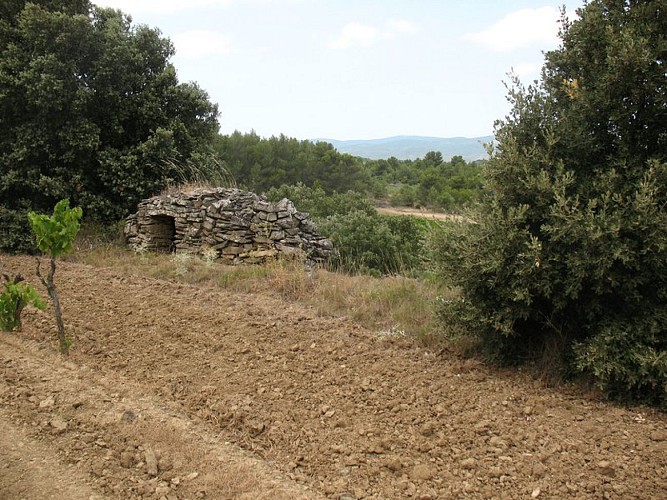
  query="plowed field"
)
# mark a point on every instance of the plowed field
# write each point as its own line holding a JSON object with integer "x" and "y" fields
{"x": 176, "y": 391}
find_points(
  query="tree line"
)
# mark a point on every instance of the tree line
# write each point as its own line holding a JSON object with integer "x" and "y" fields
{"x": 259, "y": 164}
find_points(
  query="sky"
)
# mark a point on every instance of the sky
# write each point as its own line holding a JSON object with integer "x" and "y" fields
{"x": 355, "y": 69}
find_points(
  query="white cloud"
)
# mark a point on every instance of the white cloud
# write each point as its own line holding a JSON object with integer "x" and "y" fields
{"x": 356, "y": 34}
{"x": 158, "y": 6}
{"x": 519, "y": 29}
{"x": 199, "y": 43}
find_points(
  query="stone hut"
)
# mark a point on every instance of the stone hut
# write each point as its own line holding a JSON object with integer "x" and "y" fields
{"x": 231, "y": 225}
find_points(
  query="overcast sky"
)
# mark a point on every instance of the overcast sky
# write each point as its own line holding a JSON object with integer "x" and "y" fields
{"x": 355, "y": 69}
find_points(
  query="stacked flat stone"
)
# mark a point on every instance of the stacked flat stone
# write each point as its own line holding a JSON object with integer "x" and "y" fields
{"x": 231, "y": 225}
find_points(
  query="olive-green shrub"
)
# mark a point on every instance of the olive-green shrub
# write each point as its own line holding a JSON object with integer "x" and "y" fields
{"x": 567, "y": 260}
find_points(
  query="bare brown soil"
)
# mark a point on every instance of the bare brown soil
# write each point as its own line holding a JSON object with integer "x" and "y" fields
{"x": 175, "y": 391}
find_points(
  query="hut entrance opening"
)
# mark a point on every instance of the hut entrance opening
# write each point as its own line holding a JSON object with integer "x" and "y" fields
{"x": 162, "y": 232}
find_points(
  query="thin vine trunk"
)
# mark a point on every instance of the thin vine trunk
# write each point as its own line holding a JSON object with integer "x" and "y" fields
{"x": 53, "y": 293}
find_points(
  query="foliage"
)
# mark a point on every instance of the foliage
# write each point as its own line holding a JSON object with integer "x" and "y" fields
{"x": 13, "y": 228}
{"x": 318, "y": 203}
{"x": 260, "y": 164}
{"x": 568, "y": 258}
{"x": 366, "y": 242}
{"x": 430, "y": 181}
{"x": 409, "y": 235}
{"x": 403, "y": 195}
{"x": 264, "y": 164}
{"x": 91, "y": 110}
{"x": 56, "y": 233}
{"x": 55, "y": 236}
{"x": 374, "y": 244}
{"x": 15, "y": 296}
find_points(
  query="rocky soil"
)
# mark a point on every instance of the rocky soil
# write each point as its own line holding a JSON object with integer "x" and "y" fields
{"x": 182, "y": 392}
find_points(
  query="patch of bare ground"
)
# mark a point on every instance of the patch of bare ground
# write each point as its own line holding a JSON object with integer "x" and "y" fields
{"x": 417, "y": 212}
{"x": 31, "y": 469}
{"x": 179, "y": 391}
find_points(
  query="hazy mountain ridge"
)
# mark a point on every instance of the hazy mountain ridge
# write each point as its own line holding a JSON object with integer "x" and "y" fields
{"x": 408, "y": 147}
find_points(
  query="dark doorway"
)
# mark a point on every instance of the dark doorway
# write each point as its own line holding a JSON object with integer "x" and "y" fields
{"x": 161, "y": 232}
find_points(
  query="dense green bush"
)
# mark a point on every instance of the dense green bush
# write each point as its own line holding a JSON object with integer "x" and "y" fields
{"x": 430, "y": 181}
{"x": 567, "y": 260}
{"x": 409, "y": 236}
{"x": 366, "y": 242}
{"x": 363, "y": 244}
{"x": 375, "y": 244}
{"x": 14, "y": 229}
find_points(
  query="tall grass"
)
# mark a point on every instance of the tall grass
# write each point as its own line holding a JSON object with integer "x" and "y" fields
{"x": 203, "y": 172}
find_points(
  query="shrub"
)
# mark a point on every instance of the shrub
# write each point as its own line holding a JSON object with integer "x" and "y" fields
{"x": 91, "y": 109}
{"x": 374, "y": 244}
{"x": 365, "y": 241}
{"x": 568, "y": 259}
{"x": 15, "y": 296}
{"x": 15, "y": 231}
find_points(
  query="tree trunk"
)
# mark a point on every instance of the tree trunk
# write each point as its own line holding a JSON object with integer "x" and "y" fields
{"x": 53, "y": 293}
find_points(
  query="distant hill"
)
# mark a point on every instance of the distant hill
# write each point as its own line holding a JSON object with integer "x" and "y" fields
{"x": 409, "y": 147}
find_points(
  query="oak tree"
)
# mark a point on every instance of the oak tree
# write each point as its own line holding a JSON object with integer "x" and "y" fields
{"x": 90, "y": 109}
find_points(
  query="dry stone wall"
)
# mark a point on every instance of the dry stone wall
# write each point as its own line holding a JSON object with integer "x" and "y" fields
{"x": 231, "y": 225}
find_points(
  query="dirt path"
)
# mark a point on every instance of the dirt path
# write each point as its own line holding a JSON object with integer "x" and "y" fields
{"x": 32, "y": 470}
{"x": 175, "y": 391}
{"x": 416, "y": 212}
